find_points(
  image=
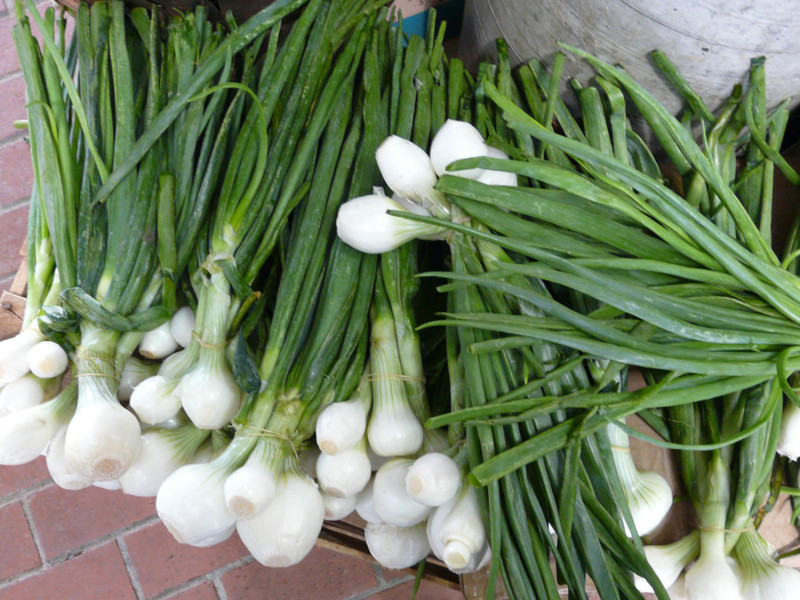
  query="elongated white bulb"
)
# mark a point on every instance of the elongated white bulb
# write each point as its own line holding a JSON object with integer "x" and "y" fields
{"x": 712, "y": 577}
{"x": 341, "y": 426}
{"x": 433, "y": 479}
{"x": 284, "y": 532}
{"x": 490, "y": 177}
{"x": 648, "y": 494}
{"x": 156, "y": 460}
{"x": 406, "y": 168}
{"x": 761, "y": 575}
{"x": 394, "y": 429}
{"x": 158, "y": 343}
{"x": 338, "y": 508}
{"x": 24, "y": 434}
{"x": 25, "y": 392}
{"x": 181, "y": 326}
{"x": 209, "y": 395}
{"x": 365, "y": 507}
{"x": 456, "y": 140}
{"x": 249, "y": 489}
{"x": 14, "y": 352}
{"x": 668, "y": 561}
{"x": 134, "y": 372}
{"x": 390, "y": 499}
{"x": 154, "y": 399}
{"x": 47, "y": 359}
{"x": 191, "y": 503}
{"x": 462, "y": 531}
{"x": 345, "y": 473}
{"x": 477, "y": 560}
{"x": 397, "y": 547}
{"x": 63, "y": 476}
{"x": 364, "y": 224}
{"x": 102, "y": 441}
{"x": 789, "y": 438}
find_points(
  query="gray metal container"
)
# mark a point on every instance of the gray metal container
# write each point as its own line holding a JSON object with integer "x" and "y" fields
{"x": 710, "y": 41}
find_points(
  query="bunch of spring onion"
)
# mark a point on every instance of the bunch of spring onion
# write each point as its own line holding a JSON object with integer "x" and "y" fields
{"x": 682, "y": 284}
{"x": 111, "y": 281}
{"x": 417, "y": 501}
{"x": 496, "y": 371}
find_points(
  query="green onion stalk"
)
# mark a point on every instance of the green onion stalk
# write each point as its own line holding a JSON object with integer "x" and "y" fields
{"x": 257, "y": 197}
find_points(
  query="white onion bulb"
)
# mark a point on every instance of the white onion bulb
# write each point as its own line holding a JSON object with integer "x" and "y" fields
{"x": 191, "y": 503}
{"x": 406, "y": 168}
{"x": 181, "y": 326}
{"x": 158, "y": 343}
{"x": 397, "y": 547}
{"x": 345, "y": 473}
{"x": 284, "y": 532}
{"x": 454, "y": 141}
{"x": 338, "y": 508}
{"x": 63, "y": 476}
{"x": 47, "y": 359}
{"x": 102, "y": 441}
{"x": 393, "y": 505}
{"x": 154, "y": 399}
{"x": 433, "y": 479}
{"x": 14, "y": 352}
{"x": 364, "y": 224}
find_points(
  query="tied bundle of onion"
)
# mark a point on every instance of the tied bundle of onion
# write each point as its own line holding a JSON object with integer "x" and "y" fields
{"x": 653, "y": 275}
{"x": 87, "y": 195}
{"x": 316, "y": 342}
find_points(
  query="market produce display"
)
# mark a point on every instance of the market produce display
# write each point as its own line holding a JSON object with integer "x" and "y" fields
{"x": 306, "y": 266}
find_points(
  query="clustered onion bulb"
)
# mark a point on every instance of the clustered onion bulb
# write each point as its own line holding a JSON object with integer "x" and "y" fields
{"x": 364, "y": 224}
{"x": 762, "y": 576}
{"x": 789, "y": 438}
{"x": 25, "y": 392}
{"x": 25, "y": 434}
{"x": 390, "y": 499}
{"x": 63, "y": 476}
{"x": 191, "y": 504}
{"x": 181, "y": 326}
{"x": 286, "y": 530}
{"x": 411, "y": 174}
{"x": 648, "y": 494}
{"x": 47, "y": 359}
{"x": 433, "y": 479}
{"x": 397, "y": 547}
{"x": 158, "y": 342}
{"x": 342, "y": 425}
{"x": 14, "y": 354}
{"x": 669, "y": 560}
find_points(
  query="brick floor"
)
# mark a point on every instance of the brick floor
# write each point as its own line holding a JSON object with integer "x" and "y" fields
{"x": 14, "y": 480}
{"x": 16, "y": 171}
{"x": 13, "y": 224}
{"x": 19, "y": 549}
{"x": 12, "y": 108}
{"x": 163, "y": 564}
{"x": 325, "y": 574}
{"x": 70, "y": 519}
{"x": 97, "y": 574}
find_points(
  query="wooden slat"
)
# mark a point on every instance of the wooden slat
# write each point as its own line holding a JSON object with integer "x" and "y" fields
{"x": 12, "y": 307}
